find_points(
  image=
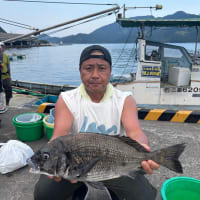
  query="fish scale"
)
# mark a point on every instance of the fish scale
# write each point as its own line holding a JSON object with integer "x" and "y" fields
{"x": 97, "y": 157}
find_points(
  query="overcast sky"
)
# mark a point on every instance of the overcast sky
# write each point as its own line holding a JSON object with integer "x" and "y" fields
{"x": 42, "y": 15}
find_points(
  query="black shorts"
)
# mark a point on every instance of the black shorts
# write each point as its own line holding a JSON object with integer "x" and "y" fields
{"x": 123, "y": 188}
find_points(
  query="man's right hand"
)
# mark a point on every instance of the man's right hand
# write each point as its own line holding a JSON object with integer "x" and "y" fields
{"x": 56, "y": 178}
{"x": 59, "y": 178}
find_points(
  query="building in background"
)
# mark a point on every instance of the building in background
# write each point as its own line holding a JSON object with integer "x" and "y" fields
{"x": 22, "y": 43}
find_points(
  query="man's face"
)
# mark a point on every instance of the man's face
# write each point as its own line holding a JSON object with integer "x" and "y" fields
{"x": 95, "y": 74}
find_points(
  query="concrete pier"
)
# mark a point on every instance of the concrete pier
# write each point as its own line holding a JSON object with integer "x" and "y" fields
{"x": 19, "y": 185}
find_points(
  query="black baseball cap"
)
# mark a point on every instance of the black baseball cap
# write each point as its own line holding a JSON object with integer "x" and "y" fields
{"x": 86, "y": 54}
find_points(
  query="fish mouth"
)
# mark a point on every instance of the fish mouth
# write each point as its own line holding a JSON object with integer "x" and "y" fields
{"x": 33, "y": 167}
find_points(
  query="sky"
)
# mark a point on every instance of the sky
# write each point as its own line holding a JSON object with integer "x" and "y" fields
{"x": 43, "y": 15}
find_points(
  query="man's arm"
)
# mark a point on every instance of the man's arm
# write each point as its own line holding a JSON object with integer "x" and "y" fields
{"x": 63, "y": 119}
{"x": 131, "y": 123}
{"x": 133, "y": 130}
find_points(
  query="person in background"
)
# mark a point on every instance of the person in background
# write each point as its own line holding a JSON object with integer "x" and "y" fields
{"x": 6, "y": 76}
{"x": 97, "y": 107}
{"x": 2, "y": 107}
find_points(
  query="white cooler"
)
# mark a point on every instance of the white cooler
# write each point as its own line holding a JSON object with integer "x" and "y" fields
{"x": 179, "y": 76}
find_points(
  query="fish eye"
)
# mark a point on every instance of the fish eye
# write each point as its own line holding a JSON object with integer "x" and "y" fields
{"x": 45, "y": 156}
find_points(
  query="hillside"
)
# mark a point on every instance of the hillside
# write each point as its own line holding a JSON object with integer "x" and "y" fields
{"x": 2, "y": 30}
{"x": 114, "y": 33}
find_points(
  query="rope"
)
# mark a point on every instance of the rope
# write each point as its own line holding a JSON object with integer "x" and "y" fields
{"x": 132, "y": 53}
{"x": 61, "y": 2}
{"x": 14, "y": 23}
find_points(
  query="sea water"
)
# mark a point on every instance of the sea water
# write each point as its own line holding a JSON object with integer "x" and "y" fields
{"x": 60, "y": 64}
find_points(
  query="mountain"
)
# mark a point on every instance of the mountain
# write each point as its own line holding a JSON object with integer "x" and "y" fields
{"x": 2, "y": 30}
{"x": 114, "y": 33}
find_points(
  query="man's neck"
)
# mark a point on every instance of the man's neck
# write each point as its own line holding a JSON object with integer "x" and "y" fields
{"x": 96, "y": 97}
{"x": 99, "y": 97}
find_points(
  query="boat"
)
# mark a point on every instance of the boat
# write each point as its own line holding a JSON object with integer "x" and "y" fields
{"x": 26, "y": 87}
{"x": 166, "y": 74}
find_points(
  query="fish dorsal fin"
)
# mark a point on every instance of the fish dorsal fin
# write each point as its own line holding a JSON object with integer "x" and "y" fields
{"x": 132, "y": 143}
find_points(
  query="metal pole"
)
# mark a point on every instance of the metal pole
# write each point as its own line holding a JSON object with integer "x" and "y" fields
{"x": 195, "y": 51}
{"x": 124, "y": 11}
{"x": 62, "y": 24}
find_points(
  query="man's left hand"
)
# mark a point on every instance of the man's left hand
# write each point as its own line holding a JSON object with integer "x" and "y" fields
{"x": 149, "y": 165}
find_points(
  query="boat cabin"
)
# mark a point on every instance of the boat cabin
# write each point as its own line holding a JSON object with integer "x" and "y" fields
{"x": 166, "y": 74}
{"x": 169, "y": 64}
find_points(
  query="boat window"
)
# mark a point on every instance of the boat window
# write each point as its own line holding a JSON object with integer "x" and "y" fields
{"x": 175, "y": 57}
{"x": 152, "y": 53}
{"x": 173, "y": 53}
{"x": 175, "y": 66}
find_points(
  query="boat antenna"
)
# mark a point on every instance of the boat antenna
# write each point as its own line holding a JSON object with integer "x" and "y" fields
{"x": 156, "y": 7}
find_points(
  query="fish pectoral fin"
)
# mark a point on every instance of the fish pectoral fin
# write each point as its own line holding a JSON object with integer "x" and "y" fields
{"x": 95, "y": 193}
{"x": 81, "y": 169}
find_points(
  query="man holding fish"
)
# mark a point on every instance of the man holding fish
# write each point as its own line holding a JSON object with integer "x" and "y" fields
{"x": 96, "y": 107}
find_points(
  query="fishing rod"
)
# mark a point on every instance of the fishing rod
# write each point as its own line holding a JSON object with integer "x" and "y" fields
{"x": 62, "y": 29}
{"x": 37, "y": 32}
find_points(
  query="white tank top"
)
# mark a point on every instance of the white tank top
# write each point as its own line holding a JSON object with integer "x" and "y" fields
{"x": 103, "y": 117}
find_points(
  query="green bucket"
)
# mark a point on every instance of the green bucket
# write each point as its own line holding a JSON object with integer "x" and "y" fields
{"x": 29, "y": 126}
{"x": 181, "y": 188}
{"x": 48, "y": 127}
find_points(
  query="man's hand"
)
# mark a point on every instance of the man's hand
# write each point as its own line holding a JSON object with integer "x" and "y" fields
{"x": 58, "y": 179}
{"x": 149, "y": 165}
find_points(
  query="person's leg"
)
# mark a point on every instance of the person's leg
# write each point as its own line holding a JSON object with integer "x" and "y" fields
{"x": 49, "y": 189}
{"x": 1, "y": 85}
{"x": 3, "y": 108}
{"x": 81, "y": 192}
{"x": 8, "y": 89}
{"x": 127, "y": 188}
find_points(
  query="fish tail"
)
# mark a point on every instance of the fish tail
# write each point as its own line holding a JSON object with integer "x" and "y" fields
{"x": 169, "y": 156}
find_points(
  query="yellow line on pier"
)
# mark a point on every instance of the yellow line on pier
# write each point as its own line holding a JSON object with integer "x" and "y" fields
{"x": 181, "y": 116}
{"x": 154, "y": 114}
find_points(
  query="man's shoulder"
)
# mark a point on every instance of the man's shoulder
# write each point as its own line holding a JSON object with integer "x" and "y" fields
{"x": 71, "y": 92}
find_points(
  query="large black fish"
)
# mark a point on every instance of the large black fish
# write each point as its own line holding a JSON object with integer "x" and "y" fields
{"x": 97, "y": 157}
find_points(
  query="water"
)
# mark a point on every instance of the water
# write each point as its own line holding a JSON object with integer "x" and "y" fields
{"x": 60, "y": 64}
